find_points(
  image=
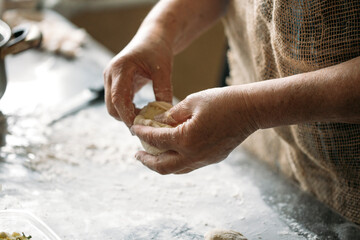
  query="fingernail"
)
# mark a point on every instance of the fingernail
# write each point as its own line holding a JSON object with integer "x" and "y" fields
{"x": 137, "y": 156}
{"x": 132, "y": 131}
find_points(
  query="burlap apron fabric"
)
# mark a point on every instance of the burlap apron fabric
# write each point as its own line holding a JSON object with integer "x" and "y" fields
{"x": 277, "y": 38}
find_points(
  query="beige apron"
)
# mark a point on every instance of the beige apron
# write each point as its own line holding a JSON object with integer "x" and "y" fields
{"x": 277, "y": 38}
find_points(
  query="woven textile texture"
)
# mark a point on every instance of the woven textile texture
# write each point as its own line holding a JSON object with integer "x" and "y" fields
{"x": 277, "y": 38}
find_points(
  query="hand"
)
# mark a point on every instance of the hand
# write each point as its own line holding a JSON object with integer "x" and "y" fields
{"x": 209, "y": 125}
{"x": 146, "y": 58}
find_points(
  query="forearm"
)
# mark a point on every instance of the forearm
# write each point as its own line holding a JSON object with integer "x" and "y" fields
{"x": 178, "y": 22}
{"x": 331, "y": 95}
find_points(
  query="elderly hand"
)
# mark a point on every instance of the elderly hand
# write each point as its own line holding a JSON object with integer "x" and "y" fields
{"x": 146, "y": 58}
{"x": 168, "y": 29}
{"x": 209, "y": 125}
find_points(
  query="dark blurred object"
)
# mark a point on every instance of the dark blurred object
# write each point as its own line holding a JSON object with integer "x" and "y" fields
{"x": 62, "y": 39}
{"x": 225, "y": 71}
{"x": 3, "y": 129}
{"x": 73, "y": 105}
{"x": 19, "y": 39}
{"x": 23, "y": 37}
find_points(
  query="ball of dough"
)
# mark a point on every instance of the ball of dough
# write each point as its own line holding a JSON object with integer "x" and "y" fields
{"x": 146, "y": 118}
{"x": 219, "y": 234}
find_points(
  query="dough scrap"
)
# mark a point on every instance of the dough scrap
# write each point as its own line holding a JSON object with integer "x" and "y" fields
{"x": 219, "y": 234}
{"x": 146, "y": 118}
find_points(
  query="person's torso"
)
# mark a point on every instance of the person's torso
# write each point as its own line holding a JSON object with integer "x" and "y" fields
{"x": 277, "y": 38}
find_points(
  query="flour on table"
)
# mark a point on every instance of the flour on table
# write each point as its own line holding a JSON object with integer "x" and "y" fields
{"x": 78, "y": 140}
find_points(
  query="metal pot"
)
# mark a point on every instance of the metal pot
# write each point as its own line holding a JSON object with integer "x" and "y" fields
{"x": 14, "y": 41}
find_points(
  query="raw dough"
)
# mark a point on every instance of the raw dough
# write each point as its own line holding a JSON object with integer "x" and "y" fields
{"x": 146, "y": 117}
{"x": 219, "y": 234}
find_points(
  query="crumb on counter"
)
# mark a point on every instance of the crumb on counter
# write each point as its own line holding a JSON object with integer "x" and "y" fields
{"x": 13, "y": 236}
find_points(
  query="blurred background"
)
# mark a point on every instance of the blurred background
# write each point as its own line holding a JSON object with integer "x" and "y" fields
{"x": 114, "y": 22}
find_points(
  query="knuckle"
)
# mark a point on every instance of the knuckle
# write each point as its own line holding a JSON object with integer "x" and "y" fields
{"x": 190, "y": 98}
{"x": 110, "y": 68}
{"x": 115, "y": 97}
{"x": 113, "y": 68}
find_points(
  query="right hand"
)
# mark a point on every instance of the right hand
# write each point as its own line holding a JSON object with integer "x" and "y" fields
{"x": 208, "y": 125}
{"x": 145, "y": 58}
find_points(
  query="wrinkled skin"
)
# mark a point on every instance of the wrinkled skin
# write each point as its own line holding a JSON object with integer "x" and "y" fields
{"x": 139, "y": 63}
{"x": 208, "y": 129}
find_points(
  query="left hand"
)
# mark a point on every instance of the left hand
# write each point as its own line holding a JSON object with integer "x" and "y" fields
{"x": 209, "y": 125}
{"x": 146, "y": 58}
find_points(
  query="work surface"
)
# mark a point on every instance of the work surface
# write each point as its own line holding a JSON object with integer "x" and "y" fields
{"x": 80, "y": 175}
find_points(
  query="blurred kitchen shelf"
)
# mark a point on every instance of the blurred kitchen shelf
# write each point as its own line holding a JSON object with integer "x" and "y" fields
{"x": 70, "y": 7}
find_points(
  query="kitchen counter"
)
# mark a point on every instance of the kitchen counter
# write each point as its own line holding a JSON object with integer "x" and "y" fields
{"x": 81, "y": 178}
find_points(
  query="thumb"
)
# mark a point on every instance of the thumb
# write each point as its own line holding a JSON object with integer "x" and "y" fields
{"x": 175, "y": 115}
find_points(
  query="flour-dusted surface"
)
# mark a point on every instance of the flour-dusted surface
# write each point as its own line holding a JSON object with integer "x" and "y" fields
{"x": 83, "y": 180}
{"x": 84, "y": 176}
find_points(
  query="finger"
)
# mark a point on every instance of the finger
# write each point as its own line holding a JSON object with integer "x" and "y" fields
{"x": 108, "y": 102}
{"x": 122, "y": 94}
{"x": 162, "y": 138}
{"x": 176, "y": 115}
{"x": 162, "y": 85}
{"x": 166, "y": 118}
{"x": 165, "y": 163}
